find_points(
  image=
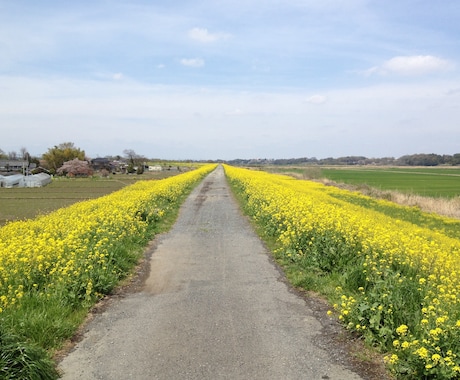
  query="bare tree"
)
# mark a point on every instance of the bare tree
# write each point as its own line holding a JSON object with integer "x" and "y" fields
{"x": 24, "y": 154}
{"x": 135, "y": 161}
{"x": 12, "y": 155}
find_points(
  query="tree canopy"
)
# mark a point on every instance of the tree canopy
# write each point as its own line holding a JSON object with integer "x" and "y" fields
{"x": 56, "y": 156}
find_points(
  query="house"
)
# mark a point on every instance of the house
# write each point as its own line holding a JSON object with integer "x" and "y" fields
{"x": 100, "y": 163}
{"x": 13, "y": 165}
{"x": 155, "y": 168}
{"x": 119, "y": 166}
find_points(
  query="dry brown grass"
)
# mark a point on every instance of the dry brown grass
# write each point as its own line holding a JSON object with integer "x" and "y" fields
{"x": 442, "y": 206}
{"x": 449, "y": 207}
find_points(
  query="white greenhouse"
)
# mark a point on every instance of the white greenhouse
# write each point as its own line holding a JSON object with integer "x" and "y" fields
{"x": 18, "y": 180}
{"x": 37, "y": 180}
{"x": 15, "y": 180}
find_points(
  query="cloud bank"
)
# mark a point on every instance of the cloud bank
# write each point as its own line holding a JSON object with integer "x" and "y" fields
{"x": 412, "y": 65}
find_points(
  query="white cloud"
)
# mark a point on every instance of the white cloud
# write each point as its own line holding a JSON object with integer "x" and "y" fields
{"x": 203, "y": 35}
{"x": 192, "y": 62}
{"x": 379, "y": 120}
{"x": 316, "y": 99}
{"x": 412, "y": 65}
{"x": 118, "y": 76}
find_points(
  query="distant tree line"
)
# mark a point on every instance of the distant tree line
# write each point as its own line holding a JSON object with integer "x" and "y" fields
{"x": 420, "y": 159}
{"x": 56, "y": 156}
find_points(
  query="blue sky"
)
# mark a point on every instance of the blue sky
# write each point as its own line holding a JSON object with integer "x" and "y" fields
{"x": 228, "y": 79}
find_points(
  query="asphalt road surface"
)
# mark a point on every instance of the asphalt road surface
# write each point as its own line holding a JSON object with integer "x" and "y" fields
{"x": 214, "y": 306}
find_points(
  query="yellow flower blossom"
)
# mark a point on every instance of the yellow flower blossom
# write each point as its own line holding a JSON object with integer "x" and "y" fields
{"x": 402, "y": 330}
{"x": 75, "y": 247}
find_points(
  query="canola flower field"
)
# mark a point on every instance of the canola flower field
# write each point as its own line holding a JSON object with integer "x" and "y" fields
{"x": 54, "y": 267}
{"x": 397, "y": 282}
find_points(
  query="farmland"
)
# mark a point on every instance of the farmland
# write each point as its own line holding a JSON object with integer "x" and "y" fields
{"x": 431, "y": 182}
{"x": 27, "y": 203}
{"x": 438, "y": 182}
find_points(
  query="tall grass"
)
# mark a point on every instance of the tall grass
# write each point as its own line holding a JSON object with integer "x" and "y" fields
{"x": 449, "y": 207}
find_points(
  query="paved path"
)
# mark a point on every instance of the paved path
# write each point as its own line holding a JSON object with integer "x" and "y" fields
{"x": 212, "y": 308}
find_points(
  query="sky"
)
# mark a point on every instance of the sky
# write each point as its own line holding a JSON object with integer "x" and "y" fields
{"x": 227, "y": 79}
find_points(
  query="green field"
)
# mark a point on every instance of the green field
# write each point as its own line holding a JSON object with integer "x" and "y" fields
{"x": 431, "y": 182}
{"x": 437, "y": 182}
{"x": 26, "y": 203}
